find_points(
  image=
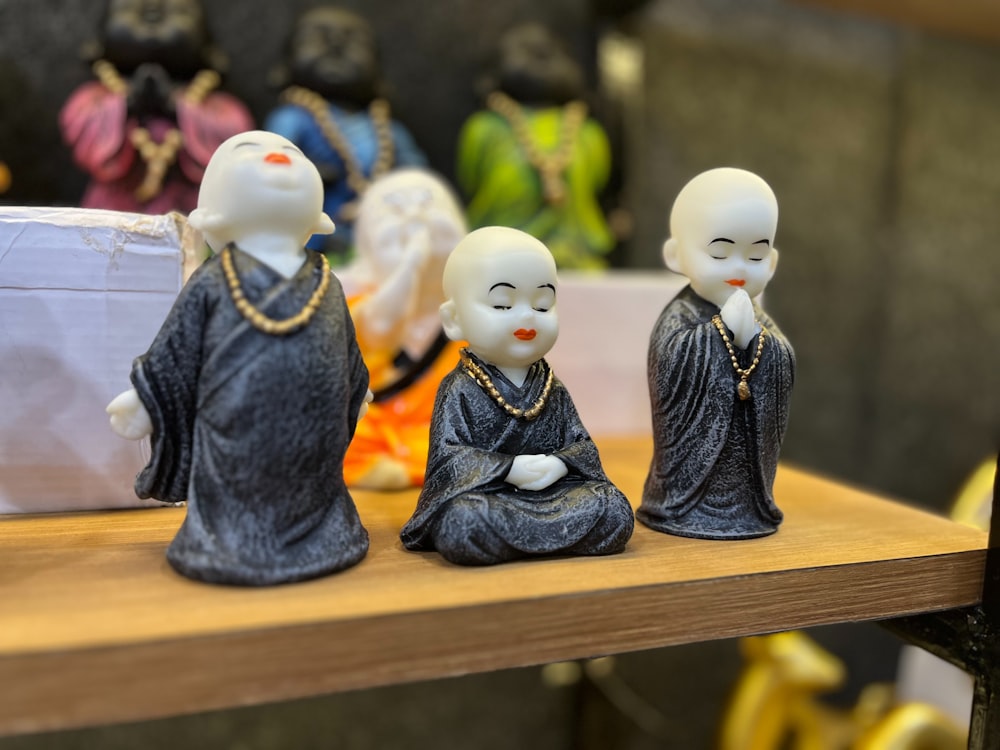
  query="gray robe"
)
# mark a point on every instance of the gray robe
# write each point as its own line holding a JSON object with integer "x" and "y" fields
{"x": 714, "y": 456}
{"x": 468, "y": 513}
{"x": 251, "y": 429}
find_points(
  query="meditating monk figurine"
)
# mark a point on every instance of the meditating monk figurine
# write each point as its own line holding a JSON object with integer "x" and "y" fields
{"x": 335, "y": 112}
{"x": 512, "y": 472}
{"x": 532, "y": 159}
{"x": 146, "y": 128}
{"x": 252, "y": 388}
{"x": 720, "y": 371}
{"x": 408, "y": 223}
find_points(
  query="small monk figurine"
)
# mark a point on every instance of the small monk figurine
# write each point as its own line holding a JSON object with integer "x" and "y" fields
{"x": 252, "y": 388}
{"x": 335, "y": 111}
{"x": 720, "y": 371}
{"x": 512, "y": 472}
{"x": 532, "y": 158}
{"x": 146, "y": 128}
{"x": 408, "y": 223}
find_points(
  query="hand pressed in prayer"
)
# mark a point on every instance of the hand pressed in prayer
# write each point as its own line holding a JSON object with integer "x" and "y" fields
{"x": 738, "y": 315}
{"x": 535, "y": 472}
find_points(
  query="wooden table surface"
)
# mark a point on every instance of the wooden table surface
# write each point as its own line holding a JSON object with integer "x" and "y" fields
{"x": 96, "y": 628}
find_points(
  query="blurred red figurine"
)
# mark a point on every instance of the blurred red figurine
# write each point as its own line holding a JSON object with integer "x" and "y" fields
{"x": 146, "y": 128}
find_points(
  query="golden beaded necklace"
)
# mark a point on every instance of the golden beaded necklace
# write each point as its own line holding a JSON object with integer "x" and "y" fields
{"x": 478, "y": 374}
{"x": 380, "y": 116}
{"x": 743, "y": 387}
{"x": 549, "y": 165}
{"x": 259, "y": 320}
{"x": 157, "y": 156}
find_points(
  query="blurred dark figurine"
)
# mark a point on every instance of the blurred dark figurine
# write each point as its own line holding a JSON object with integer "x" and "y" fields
{"x": 532, "y": 159}
{"x": 147, "y": 127}
{"x": 333, "y": 110}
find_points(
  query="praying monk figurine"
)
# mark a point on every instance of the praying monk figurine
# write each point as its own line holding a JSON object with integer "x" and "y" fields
{"x": 720, "y": 371}
{"x": 146, "y": 128}
{"x": 512, "y": 473}
{"x": 253, "y": 386}
{"x": 408, "y": 223}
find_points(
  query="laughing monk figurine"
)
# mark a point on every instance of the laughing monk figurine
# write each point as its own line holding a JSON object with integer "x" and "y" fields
{"x": 252, "y": 388}
{"x": 720, "y": 371}
{"x": 512, "y": 472}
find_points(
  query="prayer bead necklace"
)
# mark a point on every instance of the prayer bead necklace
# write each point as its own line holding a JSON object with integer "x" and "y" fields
{"x": 259, "y": 320}
{"x": 743, "y": 387}
{"x": 158, "y": 157}
{"x": 484, "y": 381}
{"x": 549, "y": 165}
{"x": 379, "y": 113}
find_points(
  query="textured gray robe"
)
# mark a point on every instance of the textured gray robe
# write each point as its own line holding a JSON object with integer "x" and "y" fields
{"x": 251, "y": 429}
{"x": 468, "y": 513}
{"x": 714, "y": 456}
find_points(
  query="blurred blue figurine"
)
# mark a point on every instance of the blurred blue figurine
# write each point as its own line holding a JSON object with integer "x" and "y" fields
{"x": 333, "y": 111}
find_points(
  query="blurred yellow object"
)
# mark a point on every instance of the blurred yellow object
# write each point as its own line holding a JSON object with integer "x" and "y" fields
{"x": 774, "y": 706}
{"x": 975, "y": 498}
{"x": 4, "y": 177}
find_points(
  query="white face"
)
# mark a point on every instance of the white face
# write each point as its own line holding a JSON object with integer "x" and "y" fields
{"x": 409, "y": 208}
{"x": 259, "y": 181}
{"x": 506, "y": 307}
{"x": 729, "y": 246}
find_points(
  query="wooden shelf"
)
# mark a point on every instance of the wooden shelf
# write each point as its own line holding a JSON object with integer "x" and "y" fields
{"x": 96, "y": 628}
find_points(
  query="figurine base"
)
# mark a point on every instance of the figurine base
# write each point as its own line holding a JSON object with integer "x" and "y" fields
{"x": 679, "y": 529}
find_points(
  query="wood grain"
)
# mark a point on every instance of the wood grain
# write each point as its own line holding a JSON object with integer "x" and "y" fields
{"x": 96, "y": 628}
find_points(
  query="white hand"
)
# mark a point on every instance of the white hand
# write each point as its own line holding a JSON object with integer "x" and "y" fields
{"x": 369, "y": 397}
{"x": 129, "y": 417}
{"x": 738, "y": 315}
{"x": 535, "y": 472}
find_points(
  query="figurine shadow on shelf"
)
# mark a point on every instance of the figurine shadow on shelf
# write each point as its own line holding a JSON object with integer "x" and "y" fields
{"x": 408, "y": 223}
{"x": 533, "y": 159}
{"x": 512, "y": 472}
{"x": 145, "y": 130}
{"x": 720, "y": 371}
{"x": 253, "y": 386}
{"x": 335, "y": 111}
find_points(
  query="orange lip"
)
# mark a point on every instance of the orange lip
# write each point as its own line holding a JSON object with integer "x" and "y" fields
{"x": 735, "y": 282}
{"x": 525, "y": 334}
{"x": 277, "y": 158}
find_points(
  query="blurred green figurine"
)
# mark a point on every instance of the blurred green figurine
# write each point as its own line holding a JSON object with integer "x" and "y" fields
{"x": 532, "y": 159}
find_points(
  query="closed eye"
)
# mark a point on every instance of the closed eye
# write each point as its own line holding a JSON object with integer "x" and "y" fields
{"x": 501, "y": 307}
{"x": 541, "y": 309}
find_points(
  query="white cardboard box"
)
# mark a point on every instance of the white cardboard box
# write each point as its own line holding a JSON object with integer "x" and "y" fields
{"x": 82, "y": 293}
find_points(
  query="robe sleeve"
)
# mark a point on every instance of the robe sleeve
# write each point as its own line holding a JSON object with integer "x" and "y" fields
{"x": 166, "y": 378}
{"x": 358, "y": 370}
{"x": 579, "y": 452}
{"x": 455, "y": 463}
{"x": 94, "y": 122}
{"x": 691, "y": 392}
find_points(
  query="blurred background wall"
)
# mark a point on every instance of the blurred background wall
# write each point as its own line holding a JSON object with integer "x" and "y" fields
{"x": 880, "y": 141}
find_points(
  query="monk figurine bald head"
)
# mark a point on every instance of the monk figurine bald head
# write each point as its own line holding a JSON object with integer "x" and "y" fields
{"x": 500, "y": 285}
